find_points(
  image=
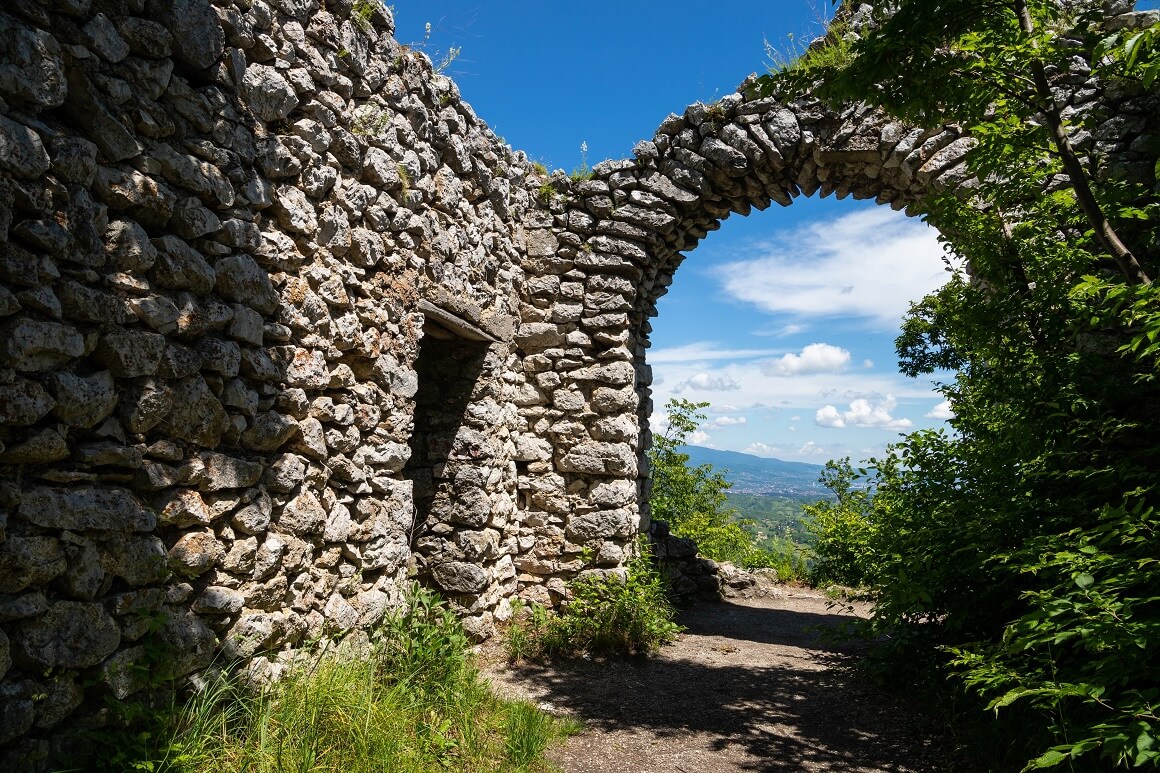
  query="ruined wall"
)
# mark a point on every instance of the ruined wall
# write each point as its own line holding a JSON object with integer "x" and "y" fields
{"x": 282, "y": 324}
{"x": 228, "y": 234}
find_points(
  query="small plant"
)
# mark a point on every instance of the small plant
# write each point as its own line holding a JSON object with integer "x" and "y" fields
{"x": 546, "y": 191}
{"x": 525, "y": 633}
{"x": 604, "y": 614}
{"x": 370, "y": 121}
{"x": 404, "y": 178}
{"x": 539, "y": 169}
{"x": 362, "y": 12}
{"x": 715, "y": 117}
{"x": 582, "y": 172}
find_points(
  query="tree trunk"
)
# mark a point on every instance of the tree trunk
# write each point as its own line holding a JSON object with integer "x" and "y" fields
{"x": 1104, "y": 233}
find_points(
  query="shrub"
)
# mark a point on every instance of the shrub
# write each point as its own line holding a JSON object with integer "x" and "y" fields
{"x": 604, "y": 614}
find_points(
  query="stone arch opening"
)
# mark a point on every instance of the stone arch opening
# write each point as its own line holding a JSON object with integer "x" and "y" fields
{"x": 742, "y": 154}
{"x": 611, "y": 249}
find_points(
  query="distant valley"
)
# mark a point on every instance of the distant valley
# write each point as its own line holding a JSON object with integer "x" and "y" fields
{"x": 757, "y": 475}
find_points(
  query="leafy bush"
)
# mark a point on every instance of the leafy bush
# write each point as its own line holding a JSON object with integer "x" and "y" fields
{"x": 604, "y": 614}
{"x": 842, "y": 529}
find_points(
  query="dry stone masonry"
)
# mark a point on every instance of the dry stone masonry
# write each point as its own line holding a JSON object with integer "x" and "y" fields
{"x": 283, "y": 324}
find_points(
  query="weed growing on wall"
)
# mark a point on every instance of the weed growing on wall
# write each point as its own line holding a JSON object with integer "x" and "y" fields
{"x": 582, "y": 172}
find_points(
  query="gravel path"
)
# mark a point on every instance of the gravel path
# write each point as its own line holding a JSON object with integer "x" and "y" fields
{"x": 749, "y": 687}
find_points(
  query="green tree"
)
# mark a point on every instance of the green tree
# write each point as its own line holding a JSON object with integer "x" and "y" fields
{"x": 692, "y": 500}
{"x": 1019, "y": 551}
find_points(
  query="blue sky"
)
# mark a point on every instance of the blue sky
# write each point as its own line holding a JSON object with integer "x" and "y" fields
{"x": 784, "y": 320}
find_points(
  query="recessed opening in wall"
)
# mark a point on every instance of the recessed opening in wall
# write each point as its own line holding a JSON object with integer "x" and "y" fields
{"x": 451, "y": 360}
{"x": 784, "y": 323}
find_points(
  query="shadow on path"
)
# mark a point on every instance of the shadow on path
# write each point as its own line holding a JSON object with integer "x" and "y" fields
{"x": 748, "y": 687}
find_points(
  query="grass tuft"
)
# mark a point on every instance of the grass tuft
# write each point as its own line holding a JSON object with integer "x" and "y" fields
{"x": 412, "y": 701}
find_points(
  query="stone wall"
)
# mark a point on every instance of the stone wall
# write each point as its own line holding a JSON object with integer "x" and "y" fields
{"x": 283, "y": 324}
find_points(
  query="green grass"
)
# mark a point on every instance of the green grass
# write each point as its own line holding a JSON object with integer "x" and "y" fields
{"x": 412, "y": 701}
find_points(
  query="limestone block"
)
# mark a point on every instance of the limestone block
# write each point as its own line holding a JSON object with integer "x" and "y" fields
{"x": 294, "y": 211}
{"x": 180, "y": 267}
{"x": 254, "y": 518}
{"x": 614, "y": 373}
{"x": 105, "y": 40}
{"x": 126, "y": 672}
{"x": 21, "y": 152}
{"x": 613, "y": 493}
{"x": 24, "y": 402}
{"x": 188, "y": 640}
{"x": 198, "y": 40}
{"x": 307, "y": 369}
{"x": 195, "y": 553}
{"x": 156, "y": 311}
{"x": 220, "y": 356}
{"x": 146, "y": 404}
{"x": 31, "y": 65}
{"x": 71, "y": 634}
{"x": 253, "y": 633}
{"x": 196, "y": 414}
{"x": 223, "y": 472}
{"x": 539, "y": 335}
{"x": 138, "y": 560}
{"x": 29, "y": 562}
{"x": 83, "y": 401}
{"x": 85, "y": 507}
{"x": 303, "y": 515}
{"x": 46, "y": 446}
{"x": 33, "y": 346}
{"x": 146, "y": 38}
{"x": 240, "y": 559}
{"x": 459, "y": 577}
{"x": 22, "y": 607}
{"x": 183, "y": 507}
{"x": 148, "y": 201}
{"x": 218, "y": 600}
{"x": 191, "y": 220}
{"x": 270, "y": 431}
{"x": 600, "y": 459}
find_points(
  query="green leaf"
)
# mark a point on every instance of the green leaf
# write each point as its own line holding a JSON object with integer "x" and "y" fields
{"x": 1084, "y": 580}
{"x": 1049, "y": 759}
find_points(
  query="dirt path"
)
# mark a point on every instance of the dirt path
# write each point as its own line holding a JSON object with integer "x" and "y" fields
{"x": 749, "y": 687}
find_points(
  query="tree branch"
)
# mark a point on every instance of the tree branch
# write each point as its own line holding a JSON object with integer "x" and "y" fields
{"x": 1104, "y": 233}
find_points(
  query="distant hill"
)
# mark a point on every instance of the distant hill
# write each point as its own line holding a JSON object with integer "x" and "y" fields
{"x": 758, "y": 475}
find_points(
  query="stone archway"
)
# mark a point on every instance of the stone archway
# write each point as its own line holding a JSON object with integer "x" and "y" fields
{"x": 598, "y": 265}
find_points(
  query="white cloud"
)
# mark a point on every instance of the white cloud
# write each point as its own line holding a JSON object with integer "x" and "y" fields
{"x": 871, "y": 264}
{"x": 867, "y": 364}
{"x": 863, "y": 413}
{"x": 815, "y": 358}
{"x": 942, "y": 411}
{"x": 706, "y": 382}
{"x": 699, "y": 438}
{"x": 812, "y": 449}
{"x": 783, "y": 331}
{"x": 704, "y": 351}
{"x": 729, "y": 421}
{"x": 760, "y": 449}
{"x": 795, "y": 418}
